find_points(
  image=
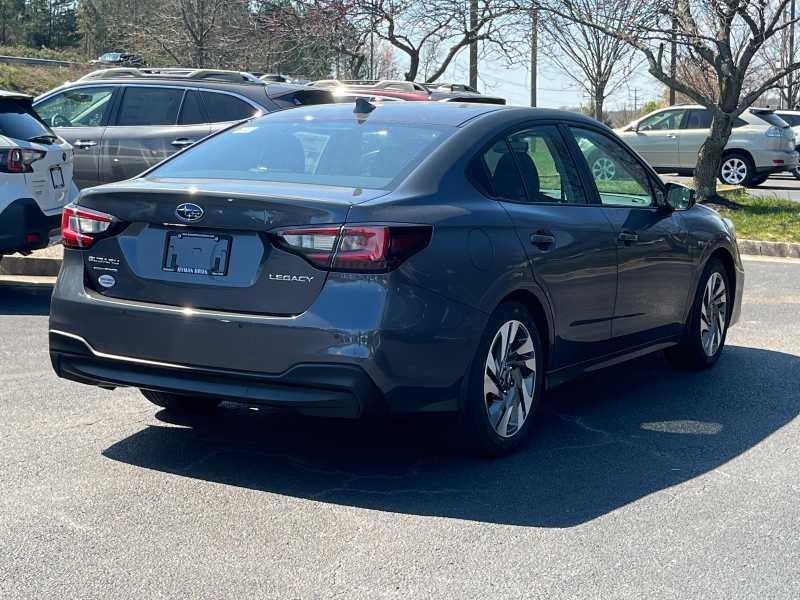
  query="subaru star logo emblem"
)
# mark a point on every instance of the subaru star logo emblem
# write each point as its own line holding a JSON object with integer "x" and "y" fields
{"x": 189, "y": 212}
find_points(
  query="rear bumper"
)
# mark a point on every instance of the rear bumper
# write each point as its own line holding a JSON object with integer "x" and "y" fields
{"x": 410, "y": 347}
{"x": 765, "y": 161}
{"x": 20, "y": 219}
{"x": 315, "y": 389}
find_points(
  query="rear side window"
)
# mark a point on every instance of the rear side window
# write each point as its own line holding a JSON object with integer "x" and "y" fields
{"x": 345, "y": 153}
{"x": 78, "y": 107}
{"x": 19, "y": 122}
{"x": 546, "y": 167}
{"x": 698, "y": 119}
{"x": 191, "y": 111}
{"x": 149, "y": 106}
{"x": 224, "y": 107}
{"x": 308, "y": 97}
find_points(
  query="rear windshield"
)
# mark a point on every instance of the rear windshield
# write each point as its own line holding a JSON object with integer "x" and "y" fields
{"x": 18, "y": 121}
{"x": 322, "y": 152}
{"x": 793, "y": 120}
{"x": 771, "y": 118}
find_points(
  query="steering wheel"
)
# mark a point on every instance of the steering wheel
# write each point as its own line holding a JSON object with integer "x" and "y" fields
{"x": 59, "y": 120}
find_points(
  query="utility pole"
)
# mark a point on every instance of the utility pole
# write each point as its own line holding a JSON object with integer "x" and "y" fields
{"x": 636, "y": 101}
{"x": 473, "y": 46}
{"x": 790, "y": 76}
{"x": 673, "y": 58}
{"x": 534, "y": 53}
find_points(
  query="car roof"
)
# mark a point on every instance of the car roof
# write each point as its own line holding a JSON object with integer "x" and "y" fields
{"x": 10, "y": 94}
{"x": 452, "y": 114}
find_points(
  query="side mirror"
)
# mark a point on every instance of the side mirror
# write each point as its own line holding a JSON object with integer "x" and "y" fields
{"x": 679, "y": 197}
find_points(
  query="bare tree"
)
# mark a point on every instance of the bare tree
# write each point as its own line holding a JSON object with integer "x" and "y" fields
{"x": 598, "y": 63}
{"x": 414, "y": 27}
{"x": 724, "y": 38}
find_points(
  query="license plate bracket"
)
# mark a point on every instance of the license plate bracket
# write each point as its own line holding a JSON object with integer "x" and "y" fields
{"x": 57, "y": 177}
{"x": 197, "y": 253}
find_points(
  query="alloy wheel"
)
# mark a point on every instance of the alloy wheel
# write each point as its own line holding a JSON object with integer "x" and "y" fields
{"x": 510, "y": 378}
{"x": 604, "y": 169}
{"x": 713, "y": 314}
{"x": 734, "y": 170}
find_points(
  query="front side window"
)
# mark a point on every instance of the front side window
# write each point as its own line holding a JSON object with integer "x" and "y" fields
{"x": 345, "y": 152}
{"x": 620, "y": 179}
{"x": 78, "y": 107}
{"x": 669, "y": 119}
{"x": 150, "y": 106}
{"x": 222, "y": 108}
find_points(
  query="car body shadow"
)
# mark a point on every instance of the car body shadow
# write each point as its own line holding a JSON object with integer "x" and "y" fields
{"x": 599, "y": 444}
{"x": 24, "y": 299}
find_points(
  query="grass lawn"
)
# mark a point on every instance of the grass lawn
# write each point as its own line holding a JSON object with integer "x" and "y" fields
{"x": 762, "y": 218}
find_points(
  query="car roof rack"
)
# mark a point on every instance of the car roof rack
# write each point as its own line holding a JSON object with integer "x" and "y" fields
{"x": 173, "y": 73}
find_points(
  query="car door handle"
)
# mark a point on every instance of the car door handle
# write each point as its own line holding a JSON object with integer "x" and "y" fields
{"x": 543, "y": 239}
{"x": 84, "y": 143}
{"x": 182, "y": 142}
{"x": 628, "y": 237}
{"x": 672, "y": 136}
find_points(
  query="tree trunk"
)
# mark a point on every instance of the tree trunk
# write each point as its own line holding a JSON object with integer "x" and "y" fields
{"x": 473, "y": 46}
{"x": 710, "y": 156}
{"x": 597, "y": 108}
{"x": 413, "y": 67}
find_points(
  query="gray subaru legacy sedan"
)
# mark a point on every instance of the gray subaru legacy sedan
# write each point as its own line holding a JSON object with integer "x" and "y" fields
{"x": 348, "y": 260}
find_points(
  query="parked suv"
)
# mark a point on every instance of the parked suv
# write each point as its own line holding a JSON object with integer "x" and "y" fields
{"x": 123, "y": 121}
{"x": 761, "y": 143}
{"x": 35, "y": 176}
{"x": 792, "y": 117}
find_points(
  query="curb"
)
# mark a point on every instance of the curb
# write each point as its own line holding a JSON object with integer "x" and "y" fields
{"x": 763, "y": 248}
{"x": 31, "y": 266}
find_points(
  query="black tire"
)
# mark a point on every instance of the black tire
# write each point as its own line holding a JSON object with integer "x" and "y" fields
{"x": 758, "y": 180}
{"x": 178, "y": 402}
{"x": 796, "y": 172}
{"x": 690, "y": 353}
{"x": 745, "y": 160}
{"x": 603, "y": 168}
{"x": 479, "y": 431}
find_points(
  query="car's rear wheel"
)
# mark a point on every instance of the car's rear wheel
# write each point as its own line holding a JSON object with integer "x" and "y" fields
{"x": 796, "y": 172}
{"x": 736, "y": 169}
{"x": 505, "y": 382}
{"x": 707, "y": 328}
{"x": 181, "y": 403}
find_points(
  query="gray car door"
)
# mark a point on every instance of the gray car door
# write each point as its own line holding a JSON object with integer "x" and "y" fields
{"x": 147, "y": 127}
{"x": 79, "y": 115}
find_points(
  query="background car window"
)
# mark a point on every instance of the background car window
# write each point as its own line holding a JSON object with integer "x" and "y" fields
{"x": 546, "y": 167}
{"x": 669, "y": 119}
{"x": 18, "y": 121}
{"x": 224, "y": 107}
{"x": 191, "y": 112}
{"x": 149, "y": 106}
{"x": 502, "y": 175}
{"x": 698, "y": 119}
{"x": 620, "y": 178}
{"x": 792, "y": 120}
{"x": 79, "y": 107}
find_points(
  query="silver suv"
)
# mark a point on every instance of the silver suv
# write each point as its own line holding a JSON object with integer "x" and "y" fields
{"x": 761, "y": 143}
{"x": 123, "y": 121}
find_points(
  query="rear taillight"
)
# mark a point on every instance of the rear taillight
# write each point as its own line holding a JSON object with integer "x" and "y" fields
{"x": 362, "y": 248}
{"x": 19, "y": 160}
{"x": 79, "y": 226}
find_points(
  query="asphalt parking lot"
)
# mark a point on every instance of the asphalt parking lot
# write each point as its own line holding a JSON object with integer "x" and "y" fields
{"x": 782, "y": 186}
{"x": 639, "y": 482}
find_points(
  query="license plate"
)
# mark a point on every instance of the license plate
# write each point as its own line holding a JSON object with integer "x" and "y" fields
{"x": 57, "y": 177}
{"x": 197, "y": 253}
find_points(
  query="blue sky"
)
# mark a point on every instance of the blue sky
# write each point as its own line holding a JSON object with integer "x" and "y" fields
{"x": 554, "y": 89}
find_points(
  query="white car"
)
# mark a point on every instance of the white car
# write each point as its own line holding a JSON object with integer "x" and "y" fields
{"x": 761, "y": 143}
{"x": 35, "y": 177}
{"x": 792, "y": 117}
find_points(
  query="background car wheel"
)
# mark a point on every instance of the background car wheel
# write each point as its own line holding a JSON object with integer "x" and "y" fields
{"x": 796, "y": 172}
{"x": 736, "y": 169}
{"x": 707, "y": 328}
{"x": 603, "y": 168}
{"x": 182, "y": 403}
{"x": 505, "y": 382}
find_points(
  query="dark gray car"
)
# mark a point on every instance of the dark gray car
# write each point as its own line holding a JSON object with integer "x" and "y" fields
{"x": 120, "y": 124}
{"x": 409, "y": 257}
